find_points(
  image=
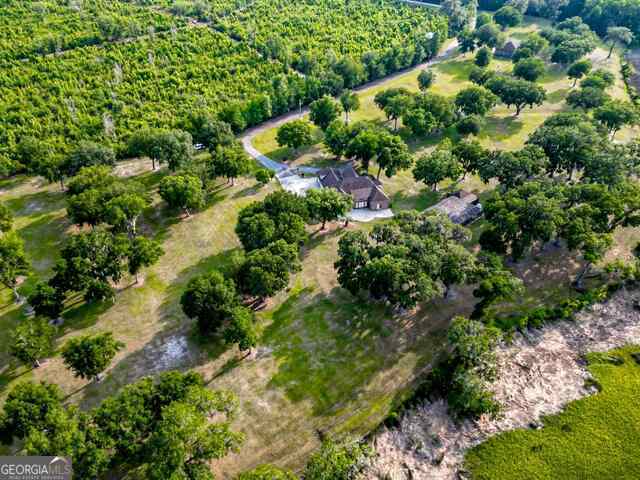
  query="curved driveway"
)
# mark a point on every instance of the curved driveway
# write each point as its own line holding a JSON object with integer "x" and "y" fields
{"x": 247, "y": 137}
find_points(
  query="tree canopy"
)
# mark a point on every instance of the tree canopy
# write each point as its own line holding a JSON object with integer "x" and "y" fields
{"x": 327, "y": 204}
{"x": 441, "y": 164}
{"x": 411, "y": 260}
{"x": 88, "y": 356}
{"x": 294, "y": 134}
{"x": 475, "y": 100}
{"x": 182, "y": 191}
{"x": 516, "y": 92}
{"x": 323, "y": 111}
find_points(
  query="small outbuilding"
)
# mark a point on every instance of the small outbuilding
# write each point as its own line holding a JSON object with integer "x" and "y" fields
{"x": 508, "y": 49}
{"x": 462, "y": 207}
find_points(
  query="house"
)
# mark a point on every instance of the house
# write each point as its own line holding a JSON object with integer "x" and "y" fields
{"x": 365, "y": 190}
{"x": 508, "y": 49}
{"x": 462, "y": 207}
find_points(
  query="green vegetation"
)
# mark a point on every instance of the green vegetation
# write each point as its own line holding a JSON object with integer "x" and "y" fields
{"x": 29, "y": 29}
{"x": 594, "y": 438}
{"x": 160, "y": 427}
{"x": 322, "y": 31}
{"x": 247, "y": 263}
{"x": 106, "y": 93}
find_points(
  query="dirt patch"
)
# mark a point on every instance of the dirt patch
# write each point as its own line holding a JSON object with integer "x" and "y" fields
{"x": 133, "y": 167}
{"x": 539, "y": 373}
{"x": 173, "y": 351}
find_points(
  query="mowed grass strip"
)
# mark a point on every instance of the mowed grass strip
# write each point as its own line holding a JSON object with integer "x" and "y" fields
{"x": 595, "y": 438}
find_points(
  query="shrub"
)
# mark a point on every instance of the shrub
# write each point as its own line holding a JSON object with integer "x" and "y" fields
{"x": 469, "y": 125}
{"x": 483, "y": 57}
{"x": 264, "y": 175}
{"x": 337, "y": 461}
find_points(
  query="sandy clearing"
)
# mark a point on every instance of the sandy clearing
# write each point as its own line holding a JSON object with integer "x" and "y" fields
{"x": 539, "y": 373}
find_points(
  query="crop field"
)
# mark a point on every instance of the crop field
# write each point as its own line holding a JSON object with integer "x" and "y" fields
{"x": 325, "y": 30}
{"x": 145, "y": 83}
{"x": 105, "y": 86}
{"x": 28, "y": 29}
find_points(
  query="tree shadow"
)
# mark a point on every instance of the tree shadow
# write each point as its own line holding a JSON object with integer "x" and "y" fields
{"x": 325, "y": 349}
{"x": 229, "y": 365}
{"x": 13, "y": 182}
{"x": 42, "y": 239}
{"x": 500, "y": 128}
{"x": 246, "y": 192}
{"x": 418, "y": 143}
{"x": 458, "y": 69}
{"x": 554, "y": 73}
{"x": 13, "y": 372}
{"x": 331, "y": 347}
{"x": 38, "y": 203}
{"x": 420, "y": 201}
{"x": 157, "y": 219}
{"x": 81, "y": 315}
{"x": 558, "y": 96}
{"x": 171, "y": 349}
{"x": 280, "y": 154}
{"x": 318, "y": 237}
{"x": 150, "y": 180}
{"x": 320, "y": 161}
{"x": 177, "y": 345}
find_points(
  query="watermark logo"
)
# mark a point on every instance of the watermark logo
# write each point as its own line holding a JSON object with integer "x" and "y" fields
{"x": 35, "y": 468}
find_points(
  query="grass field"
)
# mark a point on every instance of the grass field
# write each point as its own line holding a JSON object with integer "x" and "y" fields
{"x": 595, "y": 438}
{"x": 326, "y": 363}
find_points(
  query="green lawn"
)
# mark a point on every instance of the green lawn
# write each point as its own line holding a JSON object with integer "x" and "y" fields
{"x": 595, "y": 438}
{"x": 325, "y": 361}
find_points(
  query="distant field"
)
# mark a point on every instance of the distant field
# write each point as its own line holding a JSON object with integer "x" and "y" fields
{"x": 148, "y": 83}
{"x": 325, "y": 30}
{"x": 595, "y": 438}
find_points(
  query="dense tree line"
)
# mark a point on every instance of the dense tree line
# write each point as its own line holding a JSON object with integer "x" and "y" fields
{"x": 161, "y": 427}
{"x": 541, "y": 206}
{"x": 599, "y": 15}
{"x": 375, "y": 35}
{"x": 414, "y": 259}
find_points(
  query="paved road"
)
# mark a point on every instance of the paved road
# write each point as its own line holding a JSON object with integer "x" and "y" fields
{"x": 247, "y": 137}
{"x": 422, "y": 4}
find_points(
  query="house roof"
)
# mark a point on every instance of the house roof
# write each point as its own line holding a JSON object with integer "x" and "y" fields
{"x": 346, "y": 179}
{"x": 330, "y": 179}
{"x": 468, "y": 197}
{"x": 459, "y": 210}
{"x": 377, "y": 195}
{"x": 509, "y": 48}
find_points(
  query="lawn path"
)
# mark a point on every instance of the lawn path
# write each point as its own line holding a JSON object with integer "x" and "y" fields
{"x": 248, "y": 136}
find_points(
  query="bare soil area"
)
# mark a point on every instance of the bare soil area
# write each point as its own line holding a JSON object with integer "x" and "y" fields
{"x": 539, "y": 373}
